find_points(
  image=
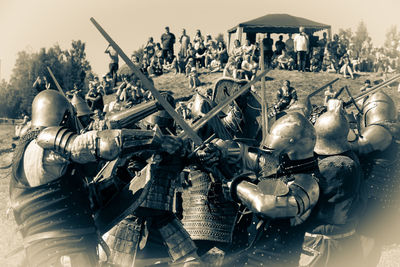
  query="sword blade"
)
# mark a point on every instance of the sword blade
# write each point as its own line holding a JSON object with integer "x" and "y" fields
{"x": 217, "y": 109}
{"x": 146, "y": 82}
{"x": 56, "y": 82}
{"x": 322, "y": 87}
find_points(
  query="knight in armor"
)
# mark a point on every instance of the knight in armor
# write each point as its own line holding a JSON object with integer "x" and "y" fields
{"x": 153, "y": 231}
{"x": 330, "y": 238}
{"x": 286, "y": 95}
{"x": 281, "y": 200}
{"x": 208, "y": 216}
{"x": 48, "y": 192}
{"x": 378, "y": 149}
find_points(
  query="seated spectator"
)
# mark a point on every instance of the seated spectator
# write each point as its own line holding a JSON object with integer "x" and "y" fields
{"x": 211, "y": 54}
{"x": 21, "y": 128}
{"x": 159, "y": 53}
{"x": 94, "y": 98}
{"x": 189, "y": 66}
{"x": 145, "y": 63}
{"x": 249, "y": 67}
{"x": 113, "y": 106}
{"x": 222, "y": 54}
{"x": 237, "y": 52}
{"x": 194, "y": 81}
{"x": 171, "y": 63}
{"x": 329, "y": 63}
{"x": 346, "y": 66}
{"x": 285, "y": 61}
{"x": 200, "y": 56}
{"x": 155, "y": 68}
{"x": 314, "y": 62}
{"x": 191, "y": 52}
{"x": 329, "y": 94}
{"x": 98, "y": 122}
{"x": 367, "y": 85}
{"x": 229, "y": 68}
{"x": 354, "y": 60}
{"x": 279, "y": 45}
{"x": 286, "y": 96}
{"x": 106, "y": 85}
{"x": 182, "y": 108}
{"x": 248, "y": 48}
{"x": 209, "y": 42}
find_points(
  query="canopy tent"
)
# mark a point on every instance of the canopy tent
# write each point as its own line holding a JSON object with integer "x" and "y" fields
{"x": 276, "y": 23}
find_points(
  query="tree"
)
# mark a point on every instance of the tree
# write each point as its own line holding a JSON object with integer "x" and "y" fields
{"x": 360, "y": 38}
{"x": 69, "y": 67}
{"x": 345, "y": 36}
{"x": 392, "y": 42}
{"x": 76, "y": 67}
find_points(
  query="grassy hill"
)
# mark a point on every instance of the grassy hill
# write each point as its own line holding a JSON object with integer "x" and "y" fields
{"x": 178, "y": 85}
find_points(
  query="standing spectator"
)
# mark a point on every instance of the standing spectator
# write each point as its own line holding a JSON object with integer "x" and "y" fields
{"x": 321, "y": 48}
{"x": 150, "y": 47}
{"x": 41, "y": 84}
{"x": 301, "y": 45}
{"x": 279, "y": 45}
{"x": 168, "y": 41}
{"x": 268, "y": 43}
{"x": 333, "y": 48}
{"x": 198, "y": 38}
{"x": 113, "y": 66}
{"x": 159, "y": 52}
{"x": 289, "y": 46}
{"x": 184, "y": 41}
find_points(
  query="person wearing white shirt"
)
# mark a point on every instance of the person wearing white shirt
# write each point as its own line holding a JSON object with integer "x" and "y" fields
{"x": 301, "y": 44}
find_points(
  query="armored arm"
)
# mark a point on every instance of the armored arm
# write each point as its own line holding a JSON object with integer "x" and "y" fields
{"x": 88, "y": 147}
{"x": 275, "y": 199}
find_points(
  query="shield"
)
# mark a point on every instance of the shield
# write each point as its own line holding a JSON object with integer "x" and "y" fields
{"x": 118, "y": 200}
{"x": 249, "y": 104}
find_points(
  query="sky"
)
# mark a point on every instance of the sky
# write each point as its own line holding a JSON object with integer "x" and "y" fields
{"x": 31, "y": 24}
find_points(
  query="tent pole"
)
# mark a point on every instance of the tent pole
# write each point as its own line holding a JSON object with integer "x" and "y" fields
{"x": 239, "y": 33}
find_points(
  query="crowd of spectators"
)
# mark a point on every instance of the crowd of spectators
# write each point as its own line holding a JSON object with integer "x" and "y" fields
{"x": 192, "y": 55}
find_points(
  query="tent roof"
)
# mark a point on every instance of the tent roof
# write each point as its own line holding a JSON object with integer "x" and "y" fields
{"x": 279, "y": 23}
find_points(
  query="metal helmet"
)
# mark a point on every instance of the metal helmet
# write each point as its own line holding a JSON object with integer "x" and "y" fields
{"x": 332, "y": 129}
{"x": 160, "y": 118}
{"x": 80, "y": 105}
{"x": 292, "y": 134}
{"x": 302, "y": 106}
{"x": 200, "y": 105}
{"x": 379, "y": 107}
{"x": 50, "y": 108}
